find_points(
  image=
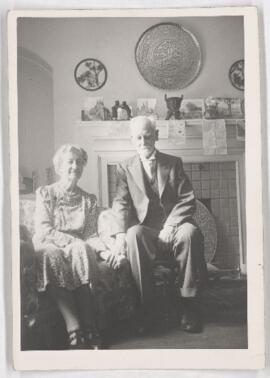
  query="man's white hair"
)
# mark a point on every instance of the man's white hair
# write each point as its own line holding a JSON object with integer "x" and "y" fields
{"x": 143, "y": 119}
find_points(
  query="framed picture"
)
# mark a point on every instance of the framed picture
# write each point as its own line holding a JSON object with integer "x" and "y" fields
{"x": 90, "y": 74}
{"x": 237, "y": 75}
{"x": 192, "y": 109}
{"x": 147, "y": 107}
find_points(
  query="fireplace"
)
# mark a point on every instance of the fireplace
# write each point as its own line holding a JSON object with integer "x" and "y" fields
{"x": 218, "y": 180}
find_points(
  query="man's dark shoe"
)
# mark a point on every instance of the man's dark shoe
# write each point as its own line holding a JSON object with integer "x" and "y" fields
{"x": 191, "y": 317}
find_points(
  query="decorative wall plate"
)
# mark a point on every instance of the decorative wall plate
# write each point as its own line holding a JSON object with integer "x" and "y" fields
{"x": 90, "y": 74}
{"x": 168, "y": 56}
{"x": 237, "y": 74}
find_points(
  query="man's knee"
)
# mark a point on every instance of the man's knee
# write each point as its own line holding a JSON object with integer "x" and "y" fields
{"x": 188, "y": 232}
{"x": 136, "y": 232}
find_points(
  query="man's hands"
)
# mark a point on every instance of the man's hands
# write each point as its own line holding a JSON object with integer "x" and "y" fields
{"x": 118, "y": 252}
{"x": 165, "y": 238}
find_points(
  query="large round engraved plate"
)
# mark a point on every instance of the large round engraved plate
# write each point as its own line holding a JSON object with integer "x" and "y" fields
{"x": 168, "y": 56}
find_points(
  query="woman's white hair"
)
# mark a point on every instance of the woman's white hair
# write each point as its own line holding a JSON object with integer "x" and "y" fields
{"x": 63, "y": 150}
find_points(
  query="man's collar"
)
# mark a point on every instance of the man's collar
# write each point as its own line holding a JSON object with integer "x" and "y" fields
{"x": 151, "y": 157}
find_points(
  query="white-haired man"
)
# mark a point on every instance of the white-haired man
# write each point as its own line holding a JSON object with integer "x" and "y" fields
{"x": 154, "y": 187}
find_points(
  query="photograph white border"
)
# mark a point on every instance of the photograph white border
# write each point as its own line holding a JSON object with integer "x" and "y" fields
{"x": 251, "y": 358}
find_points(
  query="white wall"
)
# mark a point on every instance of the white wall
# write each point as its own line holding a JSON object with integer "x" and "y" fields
{"x": 35, "y": 115}
{"x": 64, "y": 42}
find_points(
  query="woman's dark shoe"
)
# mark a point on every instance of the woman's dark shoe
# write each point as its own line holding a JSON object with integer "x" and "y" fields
{"x": 93, "y": 339}
{"x": 76, "y": 340}
{"x": 191, "y": 319}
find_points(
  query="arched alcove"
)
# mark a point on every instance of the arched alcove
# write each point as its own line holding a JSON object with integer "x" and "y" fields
{"x": 35, "y": 115}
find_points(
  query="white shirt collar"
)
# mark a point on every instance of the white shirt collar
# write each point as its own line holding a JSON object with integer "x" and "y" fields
{"x": 151, "y": 157}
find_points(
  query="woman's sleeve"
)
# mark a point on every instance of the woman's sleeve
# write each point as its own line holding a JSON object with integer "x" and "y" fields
{"x": 90, "y": 231}
{"x": 91, "y": 216}
{"x": 44, "y": 230}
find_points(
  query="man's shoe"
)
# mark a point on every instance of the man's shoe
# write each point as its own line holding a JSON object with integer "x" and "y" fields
{"x": 191, "y": 319}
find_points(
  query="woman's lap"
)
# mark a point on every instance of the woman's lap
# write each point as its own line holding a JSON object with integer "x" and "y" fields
{"x": 68, "y": 267}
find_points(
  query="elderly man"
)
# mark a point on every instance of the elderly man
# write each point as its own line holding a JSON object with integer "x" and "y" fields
{"x": 154, "y": 187}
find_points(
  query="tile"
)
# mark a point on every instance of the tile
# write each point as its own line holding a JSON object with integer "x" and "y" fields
{"x": 214, "y": 184}
{"x": 233, "y": 203}
{"x": 212, "y": 167}
{"x": 196, "y": 175}
{"x": 205, "y": 166}
{"x": 216, "y": 211}
{"x": 205, "y": 175}
{"x": 224, "y": 184}
{"x": 214, "y": 193}
{"x": 214, "y": 174}
{"x": 215, "y": 202}
{"x": 224, "y": 193}
{"x": 234, "y": 231}
{"x": 205, "y": 193}
{"x": 232, "y": 174}
{"x": 205, "y": 184}
{"x": 187, "y": 166}
{"x": 232, "y": 184}
{"x": 232, "y": 192}
{"x": 224, "y": 203}
{"x": 195, "y": 167}
{"x": 234, "y": 221}
{"x": 234, "y": 212}
{"x": 229, "y": 165}
{"x": 198, "y": 193}
{"x": 225, "y": 174}
{"x": 196, "y": 184}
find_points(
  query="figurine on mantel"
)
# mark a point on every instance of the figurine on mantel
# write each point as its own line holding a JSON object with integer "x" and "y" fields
{"x": 127, "y": 108}
{"x": 173, "y": 105}
{"x": 123, "y": 112}
{"x": 115, "y": 109}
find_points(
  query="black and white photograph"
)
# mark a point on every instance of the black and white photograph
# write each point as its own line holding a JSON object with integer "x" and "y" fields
{"x": 131, "y": 226}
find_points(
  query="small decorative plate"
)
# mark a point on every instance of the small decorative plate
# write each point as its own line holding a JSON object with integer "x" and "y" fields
{"x": 237, "y": 74}
{"x": 168, "y": 56}
{"x": 90, "y": 74}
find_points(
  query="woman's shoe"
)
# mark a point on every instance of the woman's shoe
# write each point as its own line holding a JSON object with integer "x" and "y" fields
{"x": 93, "y": 339}
{"x": 76, "y": 340}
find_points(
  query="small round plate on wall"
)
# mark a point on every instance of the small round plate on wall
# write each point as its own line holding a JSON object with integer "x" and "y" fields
{"x": 237, "y": 74}
{"x": 90, "y": 74}
{"x": 168, "y": 56}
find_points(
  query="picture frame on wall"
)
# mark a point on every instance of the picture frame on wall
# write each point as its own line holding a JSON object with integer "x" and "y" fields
{"x": 192, "y": 109}
{"x": 229, "y": 185}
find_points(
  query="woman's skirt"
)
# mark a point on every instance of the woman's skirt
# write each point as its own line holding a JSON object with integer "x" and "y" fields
{"x": 68, "y": 267}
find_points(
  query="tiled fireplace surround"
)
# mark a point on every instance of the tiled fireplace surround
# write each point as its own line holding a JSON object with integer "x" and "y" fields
{"x": 218, "y": 180}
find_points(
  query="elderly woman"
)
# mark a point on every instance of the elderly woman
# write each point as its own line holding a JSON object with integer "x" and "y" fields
{"x": 66, "y": 244}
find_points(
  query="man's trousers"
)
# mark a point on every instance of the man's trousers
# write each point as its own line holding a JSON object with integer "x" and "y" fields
{"x": 185, "y": 249}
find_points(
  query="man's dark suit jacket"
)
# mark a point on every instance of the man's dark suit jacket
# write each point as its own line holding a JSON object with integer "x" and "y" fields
{"x": 175, "y": 191}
